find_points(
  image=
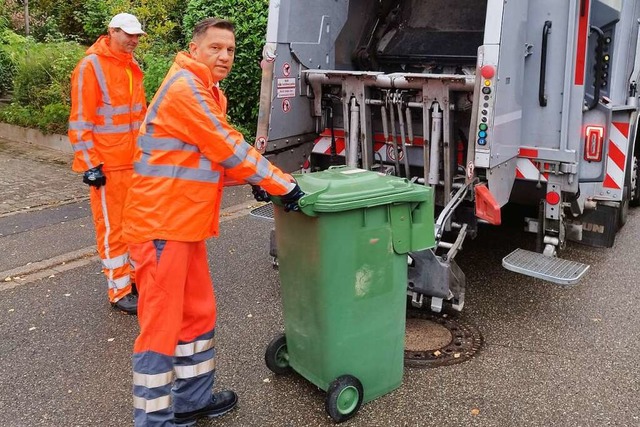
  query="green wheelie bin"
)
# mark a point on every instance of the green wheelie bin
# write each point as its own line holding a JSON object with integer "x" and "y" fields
{"x": 343, "y": 279}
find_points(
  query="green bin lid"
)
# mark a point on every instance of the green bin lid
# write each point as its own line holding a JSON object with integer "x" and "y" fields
{"x": 345, "y": 188}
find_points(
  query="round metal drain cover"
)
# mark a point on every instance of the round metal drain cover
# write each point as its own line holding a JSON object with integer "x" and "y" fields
{"x": 434, "y": 340}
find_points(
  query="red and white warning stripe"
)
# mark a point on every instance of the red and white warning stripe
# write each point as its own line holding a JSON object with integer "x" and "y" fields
{"x": 530, "y": 170}
{"x": 616, "y": 157}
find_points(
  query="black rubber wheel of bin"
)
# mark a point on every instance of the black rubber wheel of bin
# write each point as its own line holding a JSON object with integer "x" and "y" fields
{"x": 344, "y": 398}
{"x": 276, "y": 356}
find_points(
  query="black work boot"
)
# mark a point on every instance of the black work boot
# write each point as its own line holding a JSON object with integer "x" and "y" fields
{"x": 127, "y": 304}
{"x": 221, "y": 403}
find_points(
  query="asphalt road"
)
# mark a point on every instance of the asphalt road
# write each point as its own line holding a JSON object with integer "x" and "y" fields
{"x": 552, "y": 356}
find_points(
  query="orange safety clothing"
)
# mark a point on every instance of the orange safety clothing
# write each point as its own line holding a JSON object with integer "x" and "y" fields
{"x": 107, "y": 205}
{"x": 184, "y": 150}
{"x": 177, "y": 315}
{"x": 107, "y": 107}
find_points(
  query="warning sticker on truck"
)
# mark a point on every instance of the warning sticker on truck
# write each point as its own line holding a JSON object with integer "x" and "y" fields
{"x": 286, "y": 92}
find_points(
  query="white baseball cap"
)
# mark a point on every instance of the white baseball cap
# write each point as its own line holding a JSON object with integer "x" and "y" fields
{"x": 127, "y": 23}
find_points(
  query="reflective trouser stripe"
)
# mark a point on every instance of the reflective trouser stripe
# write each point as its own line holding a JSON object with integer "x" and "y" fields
{"x": 184, "y": 350}
{"x": 107, "y": 205}
{"x": 184, "y": 372}
{"x": 118, "y": 284}
{"x": 116, "y": 262}
{"x": 153, "y": 405}
{"x": 152, "y": 380}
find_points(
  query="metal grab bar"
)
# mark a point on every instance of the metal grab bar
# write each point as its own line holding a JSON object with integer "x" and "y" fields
{"x": 542, "y": 97}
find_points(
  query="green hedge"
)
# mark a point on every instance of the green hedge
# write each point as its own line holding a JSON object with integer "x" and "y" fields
{"x": 39, "y": 73}
{"x": 40, "y": 81}
{"x": 242, "y": 87}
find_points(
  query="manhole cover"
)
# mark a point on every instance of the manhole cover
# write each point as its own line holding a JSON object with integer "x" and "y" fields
{"x": 264, "y": 211}
{"x": 434, "y": 340}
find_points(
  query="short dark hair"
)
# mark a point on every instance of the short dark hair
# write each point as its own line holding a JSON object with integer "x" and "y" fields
{"x": 201, "y": 27}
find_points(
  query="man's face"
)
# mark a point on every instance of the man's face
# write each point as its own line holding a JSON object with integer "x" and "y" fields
{"x": 215, "y": 49}
{"x": 123, "y": 42}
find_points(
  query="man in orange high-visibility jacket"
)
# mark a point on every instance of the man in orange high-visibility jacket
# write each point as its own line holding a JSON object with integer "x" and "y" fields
{"x": 107, "y": 107}
{"x": 184, "y": 151}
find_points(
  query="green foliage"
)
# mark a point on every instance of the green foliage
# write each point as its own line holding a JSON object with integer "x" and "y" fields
{"x": 12, "y": 46}
{"x": 19, "y": 115}
{"x": 155, "y": 68}
{"x": 242, "y": 86}
{"x": 42, "y": 73}
{"x": 39, "y": 73}
{"x": 41, "y": 81}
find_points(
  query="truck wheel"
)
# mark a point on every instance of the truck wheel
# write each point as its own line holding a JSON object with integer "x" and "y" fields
{"x": 634, "y": 200}
{"x": 276, "y": 356}
{"x": 344, "y": 398}
{"x": 623, "y": 212}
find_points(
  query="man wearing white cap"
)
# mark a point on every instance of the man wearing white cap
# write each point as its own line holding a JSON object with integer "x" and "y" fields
{"x": 107, "y": 106}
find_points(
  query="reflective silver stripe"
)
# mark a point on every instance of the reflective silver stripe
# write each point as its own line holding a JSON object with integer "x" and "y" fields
{"x": 184, "y": 372}
{"x": 102, "y": 81}
{"x": 122, "y": 109}
{"x": 153, "y": 405}
{"x": 117, "y": 262}
{"x": 120, "y": 283}
{"x": 80, "y": 125}
{"x": 85, "y": 153}
{"x": 152, "y": 380}
{"x": 148, "y": 143}
{"x": 239, "y": 155}
{"x": 171, "y": 171}
{"x": 110, "y": 128}
{"x": 212, "y": 117}
{"x": 184, "y": 350}
{"x": 107, "y": 224}
{"x": 82, "y": 145}
{"x": 153, "y": 111}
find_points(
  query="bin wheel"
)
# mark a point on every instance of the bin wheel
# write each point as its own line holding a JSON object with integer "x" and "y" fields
{"x": 344, "y": 398}
{"x": 276, "y": 356}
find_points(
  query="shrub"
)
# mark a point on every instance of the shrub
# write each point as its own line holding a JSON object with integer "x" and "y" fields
{"x": 242, "y": 87}
{"x": 155, "y": 68}
{"x": 41, "y": 82}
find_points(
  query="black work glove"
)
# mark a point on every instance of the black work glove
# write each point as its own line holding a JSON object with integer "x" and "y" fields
{"x": 290, "y": 200}
{"x": 260, "y": 194}
{"x": 94, "y": 177}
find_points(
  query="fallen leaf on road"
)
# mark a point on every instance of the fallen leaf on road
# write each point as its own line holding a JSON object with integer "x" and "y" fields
{"x": 437, "y": 353}
{"x": 249, "y": 315}
{"x": 266, "y": 380}
{"x": 456, "y": 355}
{"x": 475, "y": 411}
{"x": 11, "y": 309}
{"x": 595, "y": 319}
{"x": 7, "y": 279}
{"x": 32, "y": 328}
{"x": 111, "y": 339}
{"x": 53, "y": 275}
{"x": 67, "y": 295}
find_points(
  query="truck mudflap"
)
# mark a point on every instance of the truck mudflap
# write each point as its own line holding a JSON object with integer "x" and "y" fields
{"x": 552, "y": 269}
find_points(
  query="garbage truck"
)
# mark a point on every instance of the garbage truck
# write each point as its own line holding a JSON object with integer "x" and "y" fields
{"x": 489, "y": 102}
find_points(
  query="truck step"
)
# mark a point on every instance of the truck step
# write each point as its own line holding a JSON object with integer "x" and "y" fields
{"x": 534, "y": 264}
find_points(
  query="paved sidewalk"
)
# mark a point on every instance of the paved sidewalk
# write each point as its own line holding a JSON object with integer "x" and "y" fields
{"x": 36, "y": 177}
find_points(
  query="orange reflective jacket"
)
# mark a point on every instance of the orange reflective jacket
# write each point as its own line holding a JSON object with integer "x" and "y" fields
{"x": 107, "y": 107}
{"x": 185, "y": 149}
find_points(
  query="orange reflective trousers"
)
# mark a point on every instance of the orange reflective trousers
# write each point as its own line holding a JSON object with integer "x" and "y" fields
{"x": 174, "y": 355}
{"x": 107, "y": 206}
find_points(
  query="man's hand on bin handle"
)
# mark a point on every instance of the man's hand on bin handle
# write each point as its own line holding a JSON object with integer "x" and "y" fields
{"x": 290, "y": 200}
{"x": 94, "y": 177}
{"x": 260, "y": 194}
